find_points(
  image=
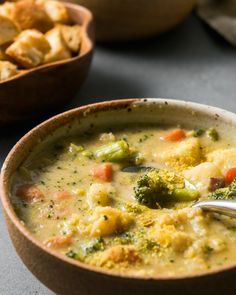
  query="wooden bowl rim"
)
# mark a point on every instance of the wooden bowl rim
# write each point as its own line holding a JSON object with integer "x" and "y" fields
{"x": 87, "y": 20}
{"x": 56, "y": 122}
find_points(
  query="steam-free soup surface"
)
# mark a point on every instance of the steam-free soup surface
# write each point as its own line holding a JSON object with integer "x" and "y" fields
{"x": 83, "y": 197}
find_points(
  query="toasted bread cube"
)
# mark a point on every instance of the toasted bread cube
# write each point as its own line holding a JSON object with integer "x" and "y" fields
{"x": 6, "y": 9}
{"x": 57, "y": 12}
{"x": 28, "y": 15}
{"x": 58, "y": 51}
{"x": 8, "y": 30}
{"x": 71, "y": 36}
{"x": 7, "y": 70}
{"x": 29, "y": 49}
{"x": 37, "y": 38}
{"x": 3, "y": 55}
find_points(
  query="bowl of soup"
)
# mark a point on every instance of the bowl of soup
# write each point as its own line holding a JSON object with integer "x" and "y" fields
{"x": 99, "y": 199}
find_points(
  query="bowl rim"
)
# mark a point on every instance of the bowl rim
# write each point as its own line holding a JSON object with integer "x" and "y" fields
{"x": 85, "y": 35}
{"x": 70, "y": 114}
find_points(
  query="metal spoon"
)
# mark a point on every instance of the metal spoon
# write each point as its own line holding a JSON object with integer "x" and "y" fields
{"x": 225, "y": 207}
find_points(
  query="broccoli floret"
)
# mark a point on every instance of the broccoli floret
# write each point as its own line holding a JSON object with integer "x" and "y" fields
{"x": 160, "y": 187}
{"x": 226, "y": 193}
{"x": 114, "y": 151}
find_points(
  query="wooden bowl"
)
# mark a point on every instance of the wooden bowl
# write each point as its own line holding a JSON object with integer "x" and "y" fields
{"x": 133, "y": 19}
{"x": 66, "y": 276}
{"x": 49, "y": 86}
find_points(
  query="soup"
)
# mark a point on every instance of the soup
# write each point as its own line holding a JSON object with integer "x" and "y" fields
{"x": 120, "y": 199}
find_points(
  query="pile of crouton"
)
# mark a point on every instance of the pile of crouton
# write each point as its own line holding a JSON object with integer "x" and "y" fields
{"x": 35, "y": 32}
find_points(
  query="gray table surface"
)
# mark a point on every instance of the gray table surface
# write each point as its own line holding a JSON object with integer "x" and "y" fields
{"x": 190, "y": 63}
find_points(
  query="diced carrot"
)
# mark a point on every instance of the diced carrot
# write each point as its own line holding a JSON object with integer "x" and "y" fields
{"x": 175, "y": 135}
{"x": 102, "y": 172}
{"x": 29, "y": 193}
{"x": 60, "y": 196}
{"x": 58, "y": 241}
{"x": 230, "y": 175}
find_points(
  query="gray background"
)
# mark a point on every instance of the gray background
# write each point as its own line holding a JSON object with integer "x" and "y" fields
{"x": 190, "y": 62}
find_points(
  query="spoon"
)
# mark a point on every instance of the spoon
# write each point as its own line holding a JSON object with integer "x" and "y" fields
{"x": 224, "y": 207}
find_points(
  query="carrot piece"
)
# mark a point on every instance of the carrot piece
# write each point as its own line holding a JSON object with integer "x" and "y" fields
{"x": 102, "y": 172}
{"x": 230, "y": 175}
{"x": 175, "y": 135}
{"x": 60, "y": 196}
{"x": 29, "y": 193}
{"x": 58, "y": 241}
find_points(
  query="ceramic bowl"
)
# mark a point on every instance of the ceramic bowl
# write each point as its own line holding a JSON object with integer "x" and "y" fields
{"x": 66, "y": 276}
{"x": 48, "y": 87}
{"x": 134, "y": 19}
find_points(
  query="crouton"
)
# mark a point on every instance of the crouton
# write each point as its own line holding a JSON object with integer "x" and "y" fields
{"x": 28, "y": 15}
{"x": 57, "y": 12}
{"x": 58, "y": 51}
{"x": 72, "y": 36}
{"x": 107, "y": 221}
{"x": 7, "y": 70}
{"x": 8, "y": 29}
{"x": 29, "y": 49}
{"x": 6, "y": 9}
{"x": 3, "y": 55}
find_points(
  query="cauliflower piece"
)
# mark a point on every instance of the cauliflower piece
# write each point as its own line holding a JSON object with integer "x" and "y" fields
{"x": 169, "y": 236}
{"x": 186, "y": 154}
{"x": 7, "y": 70}
{"x": 8, "y": 29}
{"x": 119, "y": 254}
{"x": 72, "y": 36}
{"x": 107, "y": 221}
{"x": 57, "y": 12}
{"x": 223, "y": 158}
{"x": 100, "y": 194}
{"x": 59, "y": 50}
{"x": 200, "y": 175}
{"x": 29, "y": 48}
{"x": 74, "y": 225}
{"x": 179, "y": 229}
{"x": 29, "y": 15}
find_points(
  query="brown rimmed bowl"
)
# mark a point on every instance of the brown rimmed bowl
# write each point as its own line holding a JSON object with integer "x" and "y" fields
{"x": 67, "y": 276}
{"x": 119, "y": 20}
{"x": 45, "y": 88}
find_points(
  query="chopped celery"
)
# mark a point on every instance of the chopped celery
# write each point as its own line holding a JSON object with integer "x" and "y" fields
{"x": 114, "y": 151}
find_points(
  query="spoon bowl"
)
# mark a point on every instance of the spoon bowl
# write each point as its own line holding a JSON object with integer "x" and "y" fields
{"x": 225, "y": 207}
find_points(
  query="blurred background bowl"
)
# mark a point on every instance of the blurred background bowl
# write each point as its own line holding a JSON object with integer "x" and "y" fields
{"x": 118, "y": 20}
{"x": 46, "y": 88}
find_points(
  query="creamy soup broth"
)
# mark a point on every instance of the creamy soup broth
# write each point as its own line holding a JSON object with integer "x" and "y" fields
{"x": 79, "y": 200}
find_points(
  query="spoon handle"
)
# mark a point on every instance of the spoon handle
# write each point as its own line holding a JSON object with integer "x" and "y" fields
{"x": 227, "y": 207}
